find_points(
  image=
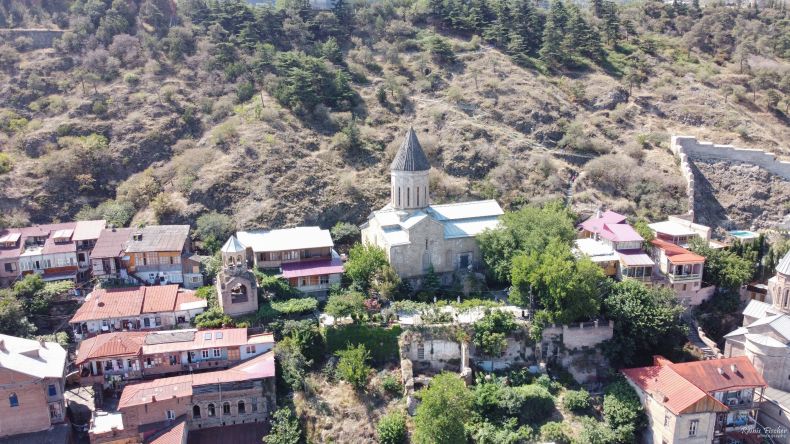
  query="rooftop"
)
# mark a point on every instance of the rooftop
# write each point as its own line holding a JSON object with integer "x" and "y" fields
{"x": 88, "y": 230}
{"x": 233, "y": 246}
{"x": 596, "y": 250}
{"x": 175, "y": 434}
{"x": 127, "y": 343}
{"x": 620, "y": 233}
{"x": 31, "y": 357}
{"x": 285, "y": 239}
{"x": 312, "y": 268}
{"x": 717, "y": 375}
{"x": 635, "y": 258}
{"x": 672, "y": 228}
{"x": 595, "y": 223}
{"x": 158, "y": 238}
{"x": 410, "y": 156}
{"x": 784, "y": 265}
{"x": 111, "y": 243}
{"x": 108, "y": 303}
{"x": 676, "y": 253}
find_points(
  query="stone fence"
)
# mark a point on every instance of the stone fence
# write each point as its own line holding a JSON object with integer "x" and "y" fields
{"x": 583, "y": 334}
{"x": 42, "y": 38}
{"x": 687, "y": 148}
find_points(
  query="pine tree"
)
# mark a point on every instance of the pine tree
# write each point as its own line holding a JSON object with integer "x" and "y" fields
{"x": 480, "y": 15}
{"x": 517, "y": 48}
{"x": 343, "y": 12}
{"x": 611, "y": 25}
{"x": 598, "y": 8}
{"x": 497, "y": 32}
{"x": 527, "y": 23}
{"x": 553, "y": 35}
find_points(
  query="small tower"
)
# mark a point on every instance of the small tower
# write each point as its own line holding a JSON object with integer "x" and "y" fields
{"x": 237, "y": 288}
{"x": 409, "y": 175}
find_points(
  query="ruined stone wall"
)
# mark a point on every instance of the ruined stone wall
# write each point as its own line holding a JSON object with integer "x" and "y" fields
{"x": 42, "y": 38}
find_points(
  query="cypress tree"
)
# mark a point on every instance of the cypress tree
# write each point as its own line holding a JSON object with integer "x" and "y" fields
{"x": 551, "y": 52}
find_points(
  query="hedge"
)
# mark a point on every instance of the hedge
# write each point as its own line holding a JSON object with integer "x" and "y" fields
{"x": 382, "y": 342}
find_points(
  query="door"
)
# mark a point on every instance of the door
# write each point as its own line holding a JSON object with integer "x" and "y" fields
{"x": 463, "y": 262}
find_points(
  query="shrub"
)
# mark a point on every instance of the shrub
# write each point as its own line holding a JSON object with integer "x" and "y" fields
{"x": 213, "y": 228}
{"x": 285, "y": 428}
{"x": 209, "y": 293}
{"x": 382, "y": 342}
{"x": 576, "y": 400}
{"x": 352, "y": 366}
{"x": 295, "y": 306}
{"x": 556, "y": 432}
{"x": 546, "y": 382}
{"x": 622, "y": 409}
{"x": 275, "y": 286}
{"x": 344, "y": 233}
{"x": 391, "y": 385}
{"x": 5, "y": 163}
{"x": 348, "y": 304}
{"x": 391, "y": 428}
{"x": 537, "y": 403}
{"x": 213, "y": 318}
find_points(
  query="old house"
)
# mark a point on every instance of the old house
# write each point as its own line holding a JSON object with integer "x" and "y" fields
{"x": 608, "y": 240}
{"x": 304, "y": 256}
{"x": 108, "y": 253}
{"x": 32, "y": 376}
{"x": 158, "y": 254}
{"x": 135, "y": 308}
{"x": 681, "y": 271}
{"x": 55, "y": 251}
{"x": 114, "y": 358}
{"x": 418, "y": 236}
{"x": 701, "y": 401}
{"x": 242, "y": 394}
{"x": 679, "y": 231}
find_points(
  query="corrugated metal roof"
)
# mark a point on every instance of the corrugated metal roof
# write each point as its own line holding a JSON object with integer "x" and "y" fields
{"x": 784, "y": 265}
{"x": 31, "y": 357}
{"x": 285, "y": 239}
{"x": 465, "y": 210}
{"x": 667, "y": 387}
{"x": 469, "y": 227}
{"x": 312, "y": 268}
{"x": 233, "y": 246}
{"x": 161, "y": 389}
{"x": 158, "y": 238}
{"x": 595, "y": 223}
{"x": 620, "y": 233}
{"x": 410, "y": 156}
{"x": 107, "y": 345}
{"x": 111, "y": 243}
{"x": 707, "y": 376}
{"x": 756, "y": 309}
{"x": 88, "y": 229}
{"x": 677, "y": 254}
{"x": 596, "y": 250}
{"x": 635, "y": 258}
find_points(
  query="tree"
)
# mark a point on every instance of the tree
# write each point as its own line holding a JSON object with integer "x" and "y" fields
{"x": 440, "y": 49}
{"x": 346, "y": 304}
{"x": 491, "y": 331}
{"x": 306, "y": 335}
{"x": 522, "y": 232}
{"x": 723, "y": 268}
{"x": 641, "y": 226}
{"x": 391, "y": 428}
{"x": 623, "y": 411}
{"x": 552, "y": 52}
{"x": 567, "y": 288}
{"x": 285, "y": 428}
{"x": 444, "y": 409}
{"x": 213, "y": 229}
{"x": 576, "y": 400}
{"x": 646, "y": 322}
{"x": 352, "y": 366}
{"x": 292, "y": 362}
{"x": 13, "y": 320}
{"x": 385, "y": 283}
{"x": 364, "y": 260}
{"x": 556, "y": 432}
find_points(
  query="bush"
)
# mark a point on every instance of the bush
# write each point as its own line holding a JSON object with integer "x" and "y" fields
{"x": 295, "y": 306}
{"x": 391, "y": 428}
{"x": 213, "y": 318}
{"x": 382, "y": 342}
{"x": 5, "y": 163}
{"x": 344, "y": 233}
{"x": 622, "y": 409}
{"x": 537, "y": 404}
{"x": 576, "y": 400}
{"x": 348, "y": 304}
{"x": 546, "y": 382}
{"x": 352, "y": 366}
{"x": 274, "y": 286}
{"x": 391, "y": 385}
{"x": 556, "y": 432}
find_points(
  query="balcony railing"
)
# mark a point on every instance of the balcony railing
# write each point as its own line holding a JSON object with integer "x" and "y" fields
{"x": 684, "y": 277}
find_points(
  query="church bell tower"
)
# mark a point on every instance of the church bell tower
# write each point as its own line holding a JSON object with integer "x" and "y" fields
{"x": 409, "y": 175}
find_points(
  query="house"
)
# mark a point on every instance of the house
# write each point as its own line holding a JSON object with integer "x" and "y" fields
{"x": 764, "y": 339}
{"x": 55, "y": 251}
{"x": 680, "y": 270}
{"x": 162, "y": 254}
{"x": 679, "y": 231}
{"x": 32, "y": 378}
{"x": 108, "y": 253}
{"x": 608, "y": 240}
{"x": 702, "y": 401}
{"x": 173, "y": 406}
{"x": 112, "y": 359}
{"x": 418, "y": 236}
{"x": 304, "y": 256}
{"x": 134, "y": 308}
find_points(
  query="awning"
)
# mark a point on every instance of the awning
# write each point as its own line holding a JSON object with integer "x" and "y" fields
{"x": 312, "y": 268}
{"x": 70, "y": 275}
{"x": 636, "y": 259}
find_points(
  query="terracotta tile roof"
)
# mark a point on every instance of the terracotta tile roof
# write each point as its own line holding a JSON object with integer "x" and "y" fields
{"x": 157, "y": 389}
{"x": 706, "y": 376}
{"x": 106, "y": 303}
{"x": 175, "y": 434}
{"x": 675, "y": 253}
{"x": 159, "y": 298}
{"x": 108, "y": 345}
{"x": 111, "y": 243}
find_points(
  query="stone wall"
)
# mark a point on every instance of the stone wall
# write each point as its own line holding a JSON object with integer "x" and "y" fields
{"x": 687, "y": 148}
{"x": 42, "y": 38}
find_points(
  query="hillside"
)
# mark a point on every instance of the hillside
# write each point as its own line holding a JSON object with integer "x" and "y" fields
{"x": 162, "y": 123}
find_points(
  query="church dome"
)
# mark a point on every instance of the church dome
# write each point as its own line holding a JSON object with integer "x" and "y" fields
{"x": 410, "y": 156}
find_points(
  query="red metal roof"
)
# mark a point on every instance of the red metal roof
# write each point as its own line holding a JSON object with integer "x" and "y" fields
{"x": 106, "y": 303}
{"x": 159, "y": 298}
{"x": 259, "y": 367}
{"x": 620, "y": 232}
{"x": 675, "y": 253}
{"x": 716, "y": 375}
{"x": 111, "y": 243}
{"x": 175, "y": 434}
{"x": 672, "y": 390}
{"x": 186, "y": 297}
{"x": 312, "y": 268}
{"x": 157, "y": 389}
{"x": 109, "y": 345}
{"x": 595, "y": 224}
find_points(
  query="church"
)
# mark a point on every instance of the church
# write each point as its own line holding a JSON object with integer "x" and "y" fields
{"x": 417, "y": 235}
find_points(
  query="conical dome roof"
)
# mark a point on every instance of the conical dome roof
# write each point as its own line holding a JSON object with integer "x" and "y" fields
{"x": 410, "y": 156}
{"x": 233, "y": 246}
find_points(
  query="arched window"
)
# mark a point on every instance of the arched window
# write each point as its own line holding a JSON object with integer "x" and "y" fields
{"x": 239, "y": 260}
{"x": 226, "y": 408}
{"x": 408, "y": 197}
{"x": 242, "y": 407}
{"x": 13, "y": 401}
{"x": 196, "y": 411}
{"x": 211, "y": 411}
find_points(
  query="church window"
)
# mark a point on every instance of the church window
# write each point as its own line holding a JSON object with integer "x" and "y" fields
{"x": 426, "y": 244}
{"x": 418, "y": 196}
{"x": 408, "y": 197}
{"x": 398, "y": 196}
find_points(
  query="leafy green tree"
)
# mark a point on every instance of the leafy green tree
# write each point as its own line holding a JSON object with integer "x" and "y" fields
{"x": 386, "y": 283}
{"x": 576, "y": 400}
{"x": 292, "y": 362}
{"x": 646, "y": 323}
{"x": 214, "y": 229}
{"x": 556, "y": 432}
{"x": 439, "y": 48}
{"x": 723, "y": 268}
{"x": 623, "y": 411}
{"x": 307, "y": 337}
{"x": 352, "y": 366}
{"x": 445, "y": 407}
{"x": 331, "y": 51}
{"x": 346, "y": 304}
{"x": 644, "y": 230}
{"x": 567, "y": 288}
{"x": 522, "y": 232}
{"x": 595, "y": 432}
{"x": 391, "y": 428}
{"x": 285, "y": 428}
{"x": 364, "y": 260}
{"x": 491, "y": 331}
{"x": 13, "y": 320}
{"x": 552, "y": 52}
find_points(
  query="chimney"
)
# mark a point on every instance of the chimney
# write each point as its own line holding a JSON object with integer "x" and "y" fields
{"x": 720, "y": 370}
{"x": 598, "y": 213}
{"x": 734, "y": 368}
{"x": 153, "y": 398}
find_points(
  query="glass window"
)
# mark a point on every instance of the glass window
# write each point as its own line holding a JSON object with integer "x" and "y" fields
{"x": 693, "y": 425}
{"x": 217, "y": 353}
{"x": 52, "y": 390}
{"x": 207, "y": 336}
{"x": 171, "y": 415}
{"x": 226, "y": 408}
{"x": 13, "y": 401}
{"x": 204, "y": 353}
{"x": 242, "y": 407}
{"x": 211, "y": 411}
{"x": 196, "y": 411}
{"x": 218, "y": 335}
{"x": 254, "y": 404}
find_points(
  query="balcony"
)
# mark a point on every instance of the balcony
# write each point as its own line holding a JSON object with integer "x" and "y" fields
{"x": 684, "y": 277}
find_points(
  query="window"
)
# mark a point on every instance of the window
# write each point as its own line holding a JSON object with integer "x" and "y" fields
{"x": 119, "y": 364}
{"x": 171, "y": 415}
{"x": 250, "y": 349}
{"x": 666, "y": 420}
{"x": 204, "y": 353}
{"x": 52, "y": 390}
{"x": 242, "y": 407}
{"x": 398, "y": 196}
{"x": 13, "y": 401}
{"x": 108, "y": 365}
{"x": 408, "y": 197}
{"x": 218, "y": 335}
{"x": 207, "y": 336}
{"x": 196, "y": 411}
{"x": 217, "y": 353}
{"x": 421, "y": 351}
{"x": 226, "y": 408}
{"x": 173, "y": 359}
{"x": 158, "y": 321}
{"x": 693, "y": 427}
{"x": 211, "y": 411}
{"x": 9, "y": 267}
{"x": 418, "y": 197}
{"x": 146, "y": 322}
{"x": 254, "y": 405}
